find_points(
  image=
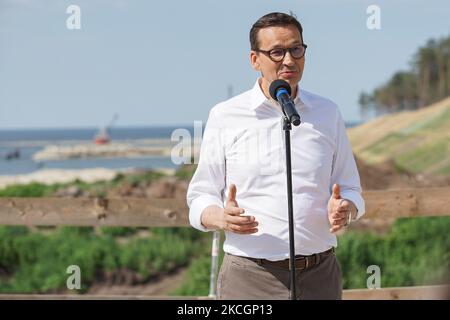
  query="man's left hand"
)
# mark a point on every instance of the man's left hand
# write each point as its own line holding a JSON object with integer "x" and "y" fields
{"x": 339, "y": 210}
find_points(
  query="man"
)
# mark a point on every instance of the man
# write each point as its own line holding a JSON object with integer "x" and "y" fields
{"x": 240, "y": 182}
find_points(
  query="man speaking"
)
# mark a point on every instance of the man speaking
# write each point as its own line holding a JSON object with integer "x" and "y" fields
{"x": 240, "y": 182}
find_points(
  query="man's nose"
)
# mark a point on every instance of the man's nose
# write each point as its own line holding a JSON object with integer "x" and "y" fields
{"x": 288, "y": 59}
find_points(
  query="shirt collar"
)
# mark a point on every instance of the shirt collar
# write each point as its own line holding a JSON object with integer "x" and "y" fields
{"x": 258, "y": 98}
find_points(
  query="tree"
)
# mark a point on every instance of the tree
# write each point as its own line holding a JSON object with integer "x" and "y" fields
{"x": 427, "y": 81}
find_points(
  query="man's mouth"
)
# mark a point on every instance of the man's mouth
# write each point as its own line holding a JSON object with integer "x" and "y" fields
{"x": 288, "y": 74}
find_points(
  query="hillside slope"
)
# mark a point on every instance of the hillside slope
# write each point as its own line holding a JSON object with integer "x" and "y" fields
{"x": 416, "y": 141}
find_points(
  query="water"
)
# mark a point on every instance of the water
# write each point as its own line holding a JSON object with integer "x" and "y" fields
{"x": 29, "y": 142}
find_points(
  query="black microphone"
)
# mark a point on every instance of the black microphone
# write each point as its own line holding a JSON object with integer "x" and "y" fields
{"x": 280, "y": 91}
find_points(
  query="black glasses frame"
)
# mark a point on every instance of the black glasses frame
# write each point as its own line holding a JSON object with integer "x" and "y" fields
{"x": 267, "y": 52}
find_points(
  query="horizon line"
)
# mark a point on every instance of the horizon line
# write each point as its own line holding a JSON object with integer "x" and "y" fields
{"x": 122, "y": 127}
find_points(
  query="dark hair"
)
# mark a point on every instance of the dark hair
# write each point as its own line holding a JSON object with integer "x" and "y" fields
{"x": 273, "y": 19}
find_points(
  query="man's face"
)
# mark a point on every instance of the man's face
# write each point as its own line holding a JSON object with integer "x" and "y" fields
{"x": 289, "y": 69}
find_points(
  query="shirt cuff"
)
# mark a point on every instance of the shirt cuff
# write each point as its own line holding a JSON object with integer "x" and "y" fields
{"x": 197, "y": 207}
{"x": 357, "y": 200}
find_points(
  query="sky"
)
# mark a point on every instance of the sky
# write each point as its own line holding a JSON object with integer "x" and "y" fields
{"x": 158, "y": 63}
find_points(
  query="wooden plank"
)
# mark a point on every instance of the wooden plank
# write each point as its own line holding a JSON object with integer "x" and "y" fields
{"x": 398, "y": 203}
{"x": 132, "y": 212}
{"x": 441, "y": 292}
{"x": 95, "y": 297}
{"x": 400, "y": 293}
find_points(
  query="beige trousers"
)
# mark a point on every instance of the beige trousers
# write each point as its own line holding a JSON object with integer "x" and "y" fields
{"x": 241, "y": 278}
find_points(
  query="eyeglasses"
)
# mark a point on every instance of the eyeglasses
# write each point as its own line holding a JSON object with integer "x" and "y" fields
{"x": 278, "y": 54}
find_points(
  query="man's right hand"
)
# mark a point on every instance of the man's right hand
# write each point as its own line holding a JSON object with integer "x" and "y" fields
{"x": 232, "y": 220}
{"x": 229, "y": 218}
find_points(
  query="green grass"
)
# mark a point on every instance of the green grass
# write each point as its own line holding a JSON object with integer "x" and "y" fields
{"x": 29, "y": 190}
{"x": 412, "y": 153}
{"x": 198, "y": 278}
{"x": 413, "y": 248}
{"x": 186, "y": 171}
{"x": 36, "y": 262}
{"x": 444, "y": 171}
{"x": 439, "y": 122}
{"x": 434, "y": 123}
{"x": 119, "y": 231}
{"x": 43, "y": 190}
{"x": 99, "y": 188}
{"x": 425, "y": 156}
{"x": 386, "y": 145}
{"x": 198, "y": 275}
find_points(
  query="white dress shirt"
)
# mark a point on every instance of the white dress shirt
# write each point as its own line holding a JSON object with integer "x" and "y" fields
{"x": 243, "y": 144}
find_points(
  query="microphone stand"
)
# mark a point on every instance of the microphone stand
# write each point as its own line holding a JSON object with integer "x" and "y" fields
{"x": 287, "y": 134}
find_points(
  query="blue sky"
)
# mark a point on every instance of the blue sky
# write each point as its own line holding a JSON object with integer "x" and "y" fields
{"x": 169, "y": 62}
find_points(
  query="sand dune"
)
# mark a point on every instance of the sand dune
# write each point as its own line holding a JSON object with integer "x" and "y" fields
{"x": 55, "y": 152}
{"x": 50, "y": 176}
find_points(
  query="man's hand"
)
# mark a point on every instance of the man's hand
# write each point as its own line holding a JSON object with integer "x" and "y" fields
{"x": 339, "y": 209}
{"x": 229, "y": 218}
{"x": 232, "y": 220}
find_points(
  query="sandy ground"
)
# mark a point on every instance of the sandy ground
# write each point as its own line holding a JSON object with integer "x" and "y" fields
{"x": 51, "y": 176}
{"x": 55, "y": 152}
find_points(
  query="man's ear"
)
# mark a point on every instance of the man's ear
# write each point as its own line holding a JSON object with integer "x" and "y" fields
{"x": 254, "y": 60}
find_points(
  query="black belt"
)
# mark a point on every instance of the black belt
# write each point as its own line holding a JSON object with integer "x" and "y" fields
{"x": 301, "y": 262}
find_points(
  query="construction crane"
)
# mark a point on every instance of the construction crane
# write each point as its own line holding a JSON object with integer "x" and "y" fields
{"x": 103, "y": 136}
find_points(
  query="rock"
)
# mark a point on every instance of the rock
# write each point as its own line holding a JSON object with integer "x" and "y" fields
{"x": 181, "y": 187}
{"x": 163, "y": 188}
{"x": 72, "y": 191}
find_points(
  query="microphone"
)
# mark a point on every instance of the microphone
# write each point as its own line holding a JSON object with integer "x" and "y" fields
{"x": 280, "y": 91}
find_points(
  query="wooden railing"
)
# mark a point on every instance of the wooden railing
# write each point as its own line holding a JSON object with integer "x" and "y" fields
{"x": 142, "y": 212}
{"x": 441, "y": 292}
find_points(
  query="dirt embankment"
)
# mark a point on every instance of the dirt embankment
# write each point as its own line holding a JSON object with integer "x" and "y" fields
{"x": 386, "y": 176}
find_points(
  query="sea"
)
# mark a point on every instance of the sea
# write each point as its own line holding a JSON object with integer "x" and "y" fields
{"x": 29, "y": 141}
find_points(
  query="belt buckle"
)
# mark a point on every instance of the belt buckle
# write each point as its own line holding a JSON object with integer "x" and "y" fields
{"x": 299, "y": 259}
{"x": 295, "y": 263}
{"x": 308, "y": 264}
